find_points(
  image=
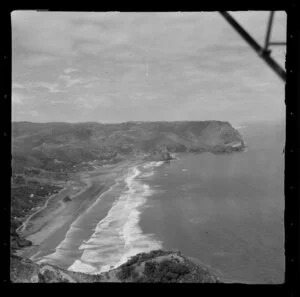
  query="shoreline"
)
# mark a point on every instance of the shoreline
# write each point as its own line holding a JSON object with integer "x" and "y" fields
{"x": 33, "y": 251}
{"x": 123, "y": 212}
{"x": 46, "y": 240}
{"x": 55, "y": 205}
{"x": 52, "y": 218}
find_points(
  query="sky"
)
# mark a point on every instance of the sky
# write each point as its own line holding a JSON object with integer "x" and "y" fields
{"x": 120, "y": 66}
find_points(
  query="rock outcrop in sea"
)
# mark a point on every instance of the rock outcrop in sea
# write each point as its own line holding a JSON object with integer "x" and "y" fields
{"x": 159, "y": 154}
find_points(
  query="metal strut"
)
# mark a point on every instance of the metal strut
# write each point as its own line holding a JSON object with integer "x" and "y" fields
{"x": 268, "y": 35}
{"x": 264, "y": 53}
{"x": 267, "y": 41}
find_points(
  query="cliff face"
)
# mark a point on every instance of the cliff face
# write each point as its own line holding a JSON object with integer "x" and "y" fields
{"x": 156, "y": 266}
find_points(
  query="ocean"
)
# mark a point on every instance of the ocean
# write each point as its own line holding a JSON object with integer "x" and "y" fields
{"x": 226, "y": 211}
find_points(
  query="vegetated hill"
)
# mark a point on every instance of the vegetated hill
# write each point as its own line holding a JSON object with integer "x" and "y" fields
{"x": 59, "y": 146}
{"x": 26, "y": 195}
{"x": 50, "y": 151}
{"x": 156, "y": 266}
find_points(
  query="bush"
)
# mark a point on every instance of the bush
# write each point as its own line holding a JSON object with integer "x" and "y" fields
{"x": 125, "y": 272}
{"x": 165, "y": 271}
{"x": 171, "y": 275}
{"x": 140, "y": 279}
{"x": 47, "y": 277}
{"x": 150, "y": 269}
{"x": 172, "y": 267}
{"x": 67, "y": 199}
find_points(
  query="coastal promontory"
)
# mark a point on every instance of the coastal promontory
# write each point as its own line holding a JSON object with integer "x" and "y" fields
{"x": 60, "y": 147}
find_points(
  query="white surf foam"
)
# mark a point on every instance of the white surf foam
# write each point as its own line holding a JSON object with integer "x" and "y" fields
{"x": 147, "y": 174}
{"x": 118, "y": 236}
{"x": 175, "y": 156}
{"x": 153, "y": 164}
{"x": 64, "y": 245}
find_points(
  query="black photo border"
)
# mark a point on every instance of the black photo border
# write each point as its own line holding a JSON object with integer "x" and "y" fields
{"x": 292, "y": 158}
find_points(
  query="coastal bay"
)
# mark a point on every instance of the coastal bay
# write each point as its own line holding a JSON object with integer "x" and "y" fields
{"x": 208, "y": 205}
{"x": 47, "y": 227}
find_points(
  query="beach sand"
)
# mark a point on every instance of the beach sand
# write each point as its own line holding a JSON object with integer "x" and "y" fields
{"x": 47, "y": 227}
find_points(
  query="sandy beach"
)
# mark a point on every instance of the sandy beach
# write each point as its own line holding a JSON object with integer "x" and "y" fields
{"x": 48, "y": 225}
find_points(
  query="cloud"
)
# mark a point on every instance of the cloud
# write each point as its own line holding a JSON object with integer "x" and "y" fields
{"x": 69, "y": 81}
{"x": 51, "y": 87}
{"x": 18, "y": 86}
{"x": 17, "y": 98}
{"x": 84, "y": 103}
{"x": 57, "y": 33}
{"x": 34, "y": 113}
{"x": 69, "y": 34}
{"x": 92, "y": 101}
{"x": 69, "y": 70}
{"x": 43, "y": 32}
{"x": 38, "y": 60}
{"x": 58, "y": 102}
{"x": 99, "y": 60}
{"x": 29, "y": 86}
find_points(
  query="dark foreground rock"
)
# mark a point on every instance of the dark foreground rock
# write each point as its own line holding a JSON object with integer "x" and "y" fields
{"x": 156, "y": 266}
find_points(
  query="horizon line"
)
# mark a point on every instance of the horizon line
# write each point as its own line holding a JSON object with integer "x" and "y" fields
{"x": 149, "y": 121}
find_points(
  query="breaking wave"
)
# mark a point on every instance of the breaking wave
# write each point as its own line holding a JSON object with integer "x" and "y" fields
{"x": 153, "y": 164}
{"x": 118, "y": 236}
{"x": 73, "y": 237}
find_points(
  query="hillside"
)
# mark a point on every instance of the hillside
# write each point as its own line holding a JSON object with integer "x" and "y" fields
{"x": 46, "y": 155}
{"x": 60, "y": 147}
{"x": 156, "y": 266}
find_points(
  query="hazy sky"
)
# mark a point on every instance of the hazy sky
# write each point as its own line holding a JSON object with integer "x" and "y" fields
{"x": 115, "y": 67}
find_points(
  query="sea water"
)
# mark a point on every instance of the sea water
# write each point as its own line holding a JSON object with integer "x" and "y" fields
{"x": 224, "y": 210}
{"x": 227, "y": 211}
